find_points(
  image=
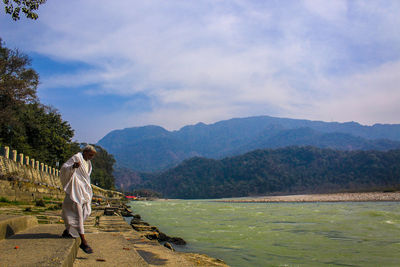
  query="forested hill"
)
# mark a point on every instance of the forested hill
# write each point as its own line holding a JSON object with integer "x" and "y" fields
{"x": 152, "y": 148}
{"x": 286, "y": 170}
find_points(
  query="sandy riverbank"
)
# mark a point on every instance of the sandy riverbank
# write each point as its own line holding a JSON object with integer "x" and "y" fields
{"x": 338, "y": 197}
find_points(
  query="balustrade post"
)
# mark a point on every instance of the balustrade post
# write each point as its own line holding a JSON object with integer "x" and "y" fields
{"x": 46, "y": 168}
{"x": 37, "y": 165}
{"x": 42, "y": 167}
{"x": 33, "y": 163}
{"x": 14, "y": 155}
{"x": 21, "y": 158}
{"x": 27, "y": 160}
{"x": 7, "y": 152}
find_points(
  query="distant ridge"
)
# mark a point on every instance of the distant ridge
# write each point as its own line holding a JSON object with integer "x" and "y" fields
{"x": 289, "y": 170}
{"x": 152, "y": 148}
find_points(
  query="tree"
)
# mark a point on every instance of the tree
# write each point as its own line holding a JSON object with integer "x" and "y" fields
{"x": 18, "y": 84}
{"x": 102, "y": 174}
{"x": 28, "y": 7}
{"x": 49, "y": 137}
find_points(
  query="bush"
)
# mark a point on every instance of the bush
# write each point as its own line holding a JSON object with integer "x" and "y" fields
{"x": 40, "y": 203}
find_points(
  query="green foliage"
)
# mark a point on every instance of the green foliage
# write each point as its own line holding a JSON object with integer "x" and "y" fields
{"x": 102, "y": 174}
{"x": 28, "y": 7}
{"x": 55, "y": 207}
{"x": 4, "y": 199}
{"x": 45, "y": 136}
{"x": 286, "y": 170}
{"x": 18, "y": 85}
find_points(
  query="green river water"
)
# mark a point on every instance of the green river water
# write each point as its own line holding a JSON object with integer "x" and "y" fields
{"x": 282, "y": 234}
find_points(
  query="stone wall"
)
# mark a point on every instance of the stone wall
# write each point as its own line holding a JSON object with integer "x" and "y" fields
{"x": 98, "y": 191}
{"x": 25, "y": 179}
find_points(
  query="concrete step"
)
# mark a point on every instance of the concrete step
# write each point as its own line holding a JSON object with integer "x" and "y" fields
{"x": 10, "y": 225}
{"x": 41, "y": 245}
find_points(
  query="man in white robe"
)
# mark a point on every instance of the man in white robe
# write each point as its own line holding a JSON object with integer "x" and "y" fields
{"x": 76, "y": 208}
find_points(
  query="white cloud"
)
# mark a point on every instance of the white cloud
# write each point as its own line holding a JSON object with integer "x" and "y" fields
{"x": 208, "y": 60}
{"x": 368, "y": 98}
{"x": 331, "y": 10}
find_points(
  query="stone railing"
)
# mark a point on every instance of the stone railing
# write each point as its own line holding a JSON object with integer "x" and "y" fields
{"x": 24, "y": 178}
{"x": 22, "y": 167}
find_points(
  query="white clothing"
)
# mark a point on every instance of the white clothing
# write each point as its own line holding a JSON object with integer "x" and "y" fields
{"x": 86, "y": 166}
{"x": 77, "y": 203}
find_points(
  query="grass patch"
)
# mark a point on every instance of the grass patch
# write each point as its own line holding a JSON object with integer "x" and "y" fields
{"x": 55, "y": 207}
{"x": 5, "y": 201}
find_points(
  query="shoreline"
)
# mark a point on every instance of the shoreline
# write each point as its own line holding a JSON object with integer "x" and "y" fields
{"x": 101, "y": 222}
{"x": 333, "y": 197}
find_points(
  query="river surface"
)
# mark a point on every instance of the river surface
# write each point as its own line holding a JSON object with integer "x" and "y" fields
{"x": 282, "y": 234}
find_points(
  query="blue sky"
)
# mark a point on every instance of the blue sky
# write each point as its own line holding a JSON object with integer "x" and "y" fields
{"x": 109, "y": 65}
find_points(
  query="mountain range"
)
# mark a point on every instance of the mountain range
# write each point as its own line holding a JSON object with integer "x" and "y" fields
{"x": 153, "y": 148}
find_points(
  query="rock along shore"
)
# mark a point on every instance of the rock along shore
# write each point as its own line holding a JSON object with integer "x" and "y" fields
{"x": 337, "y": 197}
